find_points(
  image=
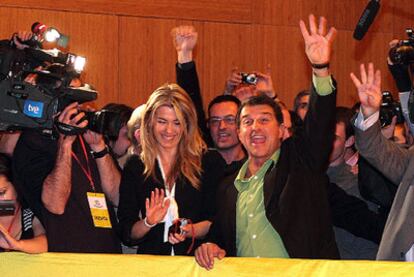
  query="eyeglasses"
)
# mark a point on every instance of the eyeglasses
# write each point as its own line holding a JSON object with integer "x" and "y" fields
{"x": 215, "y": 121}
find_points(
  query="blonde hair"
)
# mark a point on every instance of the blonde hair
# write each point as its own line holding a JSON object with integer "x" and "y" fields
{"x": 191, "y": 146}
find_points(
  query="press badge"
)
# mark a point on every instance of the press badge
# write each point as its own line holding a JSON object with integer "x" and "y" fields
{"x": 99, "y": 210}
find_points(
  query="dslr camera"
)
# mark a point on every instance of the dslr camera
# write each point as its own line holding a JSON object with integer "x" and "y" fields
{"x": 403, "y": 52}
{"x": 389, "y": 109}
{"x": 104, "y": 122}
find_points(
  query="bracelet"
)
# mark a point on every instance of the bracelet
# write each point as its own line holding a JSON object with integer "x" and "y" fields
{"x": 100, "y": 154}
{"x": 147, "y": 224}
{"x": 320, "y": 65}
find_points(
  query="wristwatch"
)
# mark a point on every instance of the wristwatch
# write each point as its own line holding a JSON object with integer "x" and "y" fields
{"x": 100, "y": 154}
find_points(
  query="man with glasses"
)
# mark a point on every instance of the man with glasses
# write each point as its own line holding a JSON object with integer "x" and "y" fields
{"x": 222, "y": 112}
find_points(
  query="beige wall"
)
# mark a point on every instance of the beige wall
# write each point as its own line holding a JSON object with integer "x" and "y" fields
{"x": 129, "y": 49}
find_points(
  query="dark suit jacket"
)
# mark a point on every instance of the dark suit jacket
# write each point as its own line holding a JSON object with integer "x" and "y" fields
{"x": 187, "y": 78}
{"x": 295, "y": 196}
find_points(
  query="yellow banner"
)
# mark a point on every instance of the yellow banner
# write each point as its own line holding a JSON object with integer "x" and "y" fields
{"x": 15, "y": 264}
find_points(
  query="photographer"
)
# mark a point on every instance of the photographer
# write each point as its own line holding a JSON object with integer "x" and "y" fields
{"x": 116, "y": 137}
{"x": 401, "y": 75}
{"x": 63, "y": 178}
{"x": 245, "y": 85}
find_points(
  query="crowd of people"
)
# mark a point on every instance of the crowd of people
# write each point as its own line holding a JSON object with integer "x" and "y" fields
{"x": 246, "y": 178}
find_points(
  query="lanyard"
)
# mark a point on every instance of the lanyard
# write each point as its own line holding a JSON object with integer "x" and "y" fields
{"x": 87, "y": 170}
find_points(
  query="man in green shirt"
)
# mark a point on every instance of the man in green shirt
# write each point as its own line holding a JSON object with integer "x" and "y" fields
{"x": 277, "y": 204}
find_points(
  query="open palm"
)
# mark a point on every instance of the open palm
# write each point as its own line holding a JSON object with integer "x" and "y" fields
{"x": 156, "y": 207}
{"x": 318, "y": 42}
{"x": 369, "y": 89}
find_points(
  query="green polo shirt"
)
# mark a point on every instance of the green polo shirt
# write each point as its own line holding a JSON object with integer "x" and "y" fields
{"x": 255, "y": 236}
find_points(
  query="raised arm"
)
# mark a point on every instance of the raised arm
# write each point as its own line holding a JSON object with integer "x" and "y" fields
{"x": 319, "y": 122}
{"x": 108, "y": 171}
{"x": 184, "y": 40}
{"x": 58, "y": 184}
{"x": 383, "y": 154}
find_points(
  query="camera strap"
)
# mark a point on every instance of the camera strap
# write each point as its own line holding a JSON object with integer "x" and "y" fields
{"x": 68, "y": 130}
{"x": 176, "y": 226}
{"x": 192, "y": 237}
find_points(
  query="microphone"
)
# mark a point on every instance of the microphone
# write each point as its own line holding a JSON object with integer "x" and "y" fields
{"x": 366, "y": 19}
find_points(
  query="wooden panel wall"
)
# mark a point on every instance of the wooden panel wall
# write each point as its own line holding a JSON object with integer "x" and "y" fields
{"x": 130, "y": 53}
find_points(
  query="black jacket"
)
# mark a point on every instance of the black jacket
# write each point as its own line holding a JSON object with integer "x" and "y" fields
{"x": 295, "y": 195}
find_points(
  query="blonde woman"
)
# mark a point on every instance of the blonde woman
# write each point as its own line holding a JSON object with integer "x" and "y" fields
{"x": 163, "y": 184}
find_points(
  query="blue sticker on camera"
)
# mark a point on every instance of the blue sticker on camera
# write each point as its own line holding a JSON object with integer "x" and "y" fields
{"x": 33, "y": 108}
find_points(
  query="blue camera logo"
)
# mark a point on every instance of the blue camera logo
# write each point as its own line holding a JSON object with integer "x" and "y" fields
{"x": 33, "y": 108}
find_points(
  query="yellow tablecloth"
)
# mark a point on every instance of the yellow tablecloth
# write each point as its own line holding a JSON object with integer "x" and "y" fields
{"x": 96, "y": 265}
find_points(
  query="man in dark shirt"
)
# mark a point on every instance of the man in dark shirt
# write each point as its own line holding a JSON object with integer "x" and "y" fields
{"x": 68, "y": 183}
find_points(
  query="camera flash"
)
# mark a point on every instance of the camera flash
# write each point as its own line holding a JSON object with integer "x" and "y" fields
{"x": 79, "y": 63}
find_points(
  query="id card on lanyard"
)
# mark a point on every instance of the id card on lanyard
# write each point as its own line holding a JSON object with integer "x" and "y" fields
{"x": 96, "y": 200}
{"x": 99, "y": 210}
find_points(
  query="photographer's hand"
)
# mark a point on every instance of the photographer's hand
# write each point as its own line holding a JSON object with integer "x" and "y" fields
{"x": 20, "y": 37}
{"x": 318, "y": 43}
{"x": 96, "y": 141}
{"x": 233, "y": 80}
{"x": 369, "y": 89}
{"x": 58, "y": 184}
{"x": 184, "y": 39}
{"x": 265, "y": 83}
{"x": 71, "y": 116}
{"x": 400, "y": 71}
{"x": 108, "y": 171}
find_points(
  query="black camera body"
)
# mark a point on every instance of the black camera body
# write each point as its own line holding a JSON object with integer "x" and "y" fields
{"x": 24, "y": 105}
{"x": 403, "y": 52}
{"x": 7, "y": 207}
{"x": 389, "y": 109}
{"x": 104, "y": 122}
{"x": 249, "y": 78}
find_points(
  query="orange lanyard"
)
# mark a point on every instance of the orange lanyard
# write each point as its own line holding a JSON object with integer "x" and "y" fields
{"x": 87, "y": 170}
